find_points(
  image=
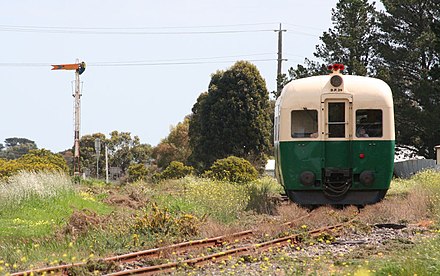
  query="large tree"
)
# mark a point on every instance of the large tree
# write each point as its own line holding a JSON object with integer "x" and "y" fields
{"x": 353, "y": 37}
{"x": 122, "y": 147}
{"x": 125, "y": 150}
{"x": 231, "y": 118}
{"x": 410, "y": 52}
{"x": 16, "y": 147}
{"x": 351, "y": 41}
{"x": 88, "y": 153}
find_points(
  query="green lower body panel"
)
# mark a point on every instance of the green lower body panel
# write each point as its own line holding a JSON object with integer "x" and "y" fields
{"x": 335, "y": 172}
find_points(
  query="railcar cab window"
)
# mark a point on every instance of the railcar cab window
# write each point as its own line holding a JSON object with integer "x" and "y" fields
{"x": 304, "y": 123}
{"x": 336, "y": 120}
{"x": 369, "y": 123}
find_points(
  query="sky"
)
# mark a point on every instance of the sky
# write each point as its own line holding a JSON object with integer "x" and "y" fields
{"x": 147, "y": 61}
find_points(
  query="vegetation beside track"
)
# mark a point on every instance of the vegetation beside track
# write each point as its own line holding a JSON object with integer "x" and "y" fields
{"x": 62, "y": 222}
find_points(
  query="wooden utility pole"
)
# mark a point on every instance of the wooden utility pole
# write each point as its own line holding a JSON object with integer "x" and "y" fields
{"x": 280, "y": 57}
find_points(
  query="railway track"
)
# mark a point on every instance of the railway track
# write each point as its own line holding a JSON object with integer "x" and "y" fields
{"x": 199, "y": 261}
{"x": 127, "y": 260}
{"x": 155, "y": 252}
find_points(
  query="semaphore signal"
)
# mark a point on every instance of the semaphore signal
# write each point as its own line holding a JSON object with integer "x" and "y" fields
{"x": 79, "y": 68}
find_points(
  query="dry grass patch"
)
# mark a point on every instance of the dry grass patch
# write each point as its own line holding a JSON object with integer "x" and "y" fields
{"x": 413, "y": 207}
{"x": 290, "y": 212}
{"x": 212, "y": 228}
{"x": 125, "y": 200}
{"x": 80, "y": 222}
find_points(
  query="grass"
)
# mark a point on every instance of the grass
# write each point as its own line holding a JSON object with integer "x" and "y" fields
{"x": 223, "y": 201}
{"x": 38, "y": 217}
{"x": 27, "y": 185}
{"x": 423, "y": 259}
{"x": 35, "y": 208}
{"x": 409, "y": 201}
{"x": 45, "y": 219}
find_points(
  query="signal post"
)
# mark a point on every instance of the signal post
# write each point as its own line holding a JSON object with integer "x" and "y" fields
{"x": 79, "y": 68}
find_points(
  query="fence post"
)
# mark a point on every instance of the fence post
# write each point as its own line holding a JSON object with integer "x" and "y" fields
{"x": 437, "y": 149}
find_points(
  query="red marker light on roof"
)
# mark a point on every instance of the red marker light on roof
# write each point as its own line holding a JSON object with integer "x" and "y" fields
{"x": 361, "y": 156}
{"x": 336, "y": 67}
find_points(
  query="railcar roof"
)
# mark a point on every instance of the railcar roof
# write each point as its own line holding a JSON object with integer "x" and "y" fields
{"x": 363, "y": 89}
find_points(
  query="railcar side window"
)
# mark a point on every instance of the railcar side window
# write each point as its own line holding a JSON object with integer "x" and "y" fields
{"x": 336, "y": 120}
{"x": 369, "y": 123}
{"x": 304, "y": 123}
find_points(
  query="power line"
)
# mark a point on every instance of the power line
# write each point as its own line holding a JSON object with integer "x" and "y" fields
{"x": 146, "y": 30}
{"x": 135, "y": 28}
{"x": 23, "y": 64}
{"x": 303, "y": 26}
{"x": 177, "y": 63}
{"x": 182, "y": 61}
{"x": 116, "y": 32}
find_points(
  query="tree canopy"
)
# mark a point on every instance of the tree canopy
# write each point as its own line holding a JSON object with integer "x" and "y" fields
{"x": 15, "y": 147}
{"x": 353, "y": 37}
{"x": 123, "y": 149}
{"x": 231, "y": 118}
{"x": 400, "y": 45}
{"x": 409, "y": 52}
{"x": 351, "y": 41}
{"x": 175, "y": 147}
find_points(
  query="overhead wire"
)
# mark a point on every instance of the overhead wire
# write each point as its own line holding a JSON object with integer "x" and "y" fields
{"x": 177, "y": 63}
{"x": 129, "y": 31}
{"x": 157, "y": 62}
{"x": 136, "y": 28}
{"x": 184, "y": 59}
{"x": 146, "y": 30}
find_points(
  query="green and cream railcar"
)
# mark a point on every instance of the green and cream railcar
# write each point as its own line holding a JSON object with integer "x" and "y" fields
{"x": 334, "y": 139}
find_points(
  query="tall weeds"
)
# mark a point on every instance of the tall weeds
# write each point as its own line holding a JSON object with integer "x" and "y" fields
{"x": 261, "y": 192}
{"x": 26, "y": 185}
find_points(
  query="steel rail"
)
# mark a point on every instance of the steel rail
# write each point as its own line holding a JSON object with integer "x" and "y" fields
{"x": 155, "y": 252}
{"x": 279, "y": 242}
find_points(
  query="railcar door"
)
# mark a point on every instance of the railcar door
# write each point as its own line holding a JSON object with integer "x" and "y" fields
{"x": 337, "y": 148}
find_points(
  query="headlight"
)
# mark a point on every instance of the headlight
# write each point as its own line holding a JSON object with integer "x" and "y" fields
{"x": 366, "y": 177}
{"x": 307, "y": 178}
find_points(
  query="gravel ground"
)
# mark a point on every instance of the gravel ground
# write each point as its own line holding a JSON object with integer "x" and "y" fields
{"x": 321, "y": 256}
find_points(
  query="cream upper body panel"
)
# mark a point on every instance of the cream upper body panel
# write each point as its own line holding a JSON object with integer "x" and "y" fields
{"x": 310, "y": 93}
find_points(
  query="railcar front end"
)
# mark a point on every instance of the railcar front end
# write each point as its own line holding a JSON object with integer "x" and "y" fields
{"x": 334, "y": 139}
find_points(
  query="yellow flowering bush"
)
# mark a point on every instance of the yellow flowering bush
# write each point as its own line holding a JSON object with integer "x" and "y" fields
{"x": 159, "y": 220}
{"x": 221, "y": 199}
{"x": 34, "y": 161}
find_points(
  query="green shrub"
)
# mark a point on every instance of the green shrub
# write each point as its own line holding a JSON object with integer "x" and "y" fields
{"x": 174, "y": 171}
{"x": 137, "y": 172}
{"x": 233, "y": 169}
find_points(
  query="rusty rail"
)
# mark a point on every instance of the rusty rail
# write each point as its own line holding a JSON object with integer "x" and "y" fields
{"x": 279, "y": 242}
{"x": 155, "y": 252}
